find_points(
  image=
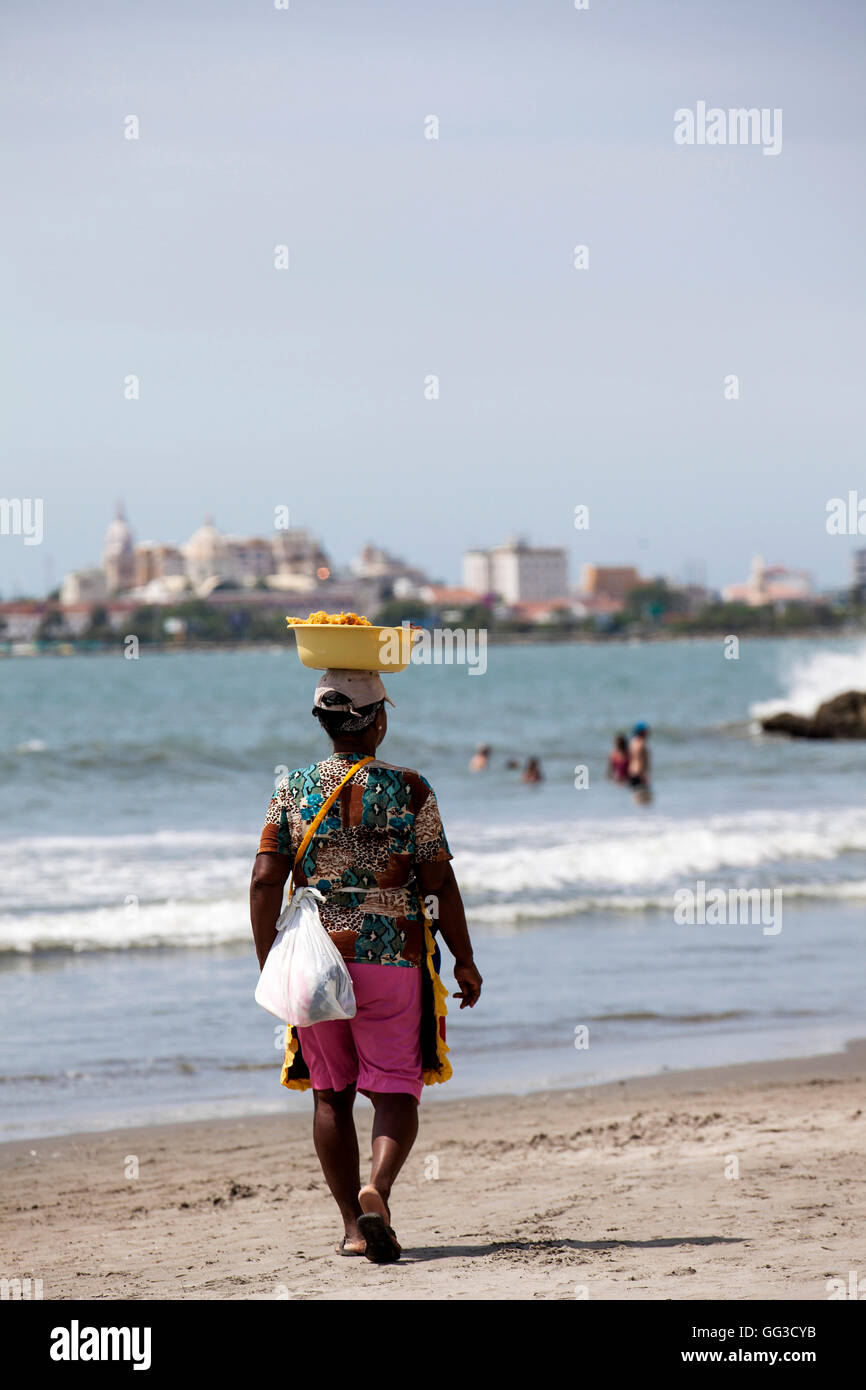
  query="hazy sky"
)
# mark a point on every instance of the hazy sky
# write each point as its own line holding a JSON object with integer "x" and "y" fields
{"x": 411, "y": 256}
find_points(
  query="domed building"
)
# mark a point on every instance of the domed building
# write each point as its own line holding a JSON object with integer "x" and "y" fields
{"x": 207, "y": 554}
{"x": 118, "y": 554}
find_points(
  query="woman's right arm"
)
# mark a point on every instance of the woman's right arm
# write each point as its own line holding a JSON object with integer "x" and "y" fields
{"x": 270, "y": 872}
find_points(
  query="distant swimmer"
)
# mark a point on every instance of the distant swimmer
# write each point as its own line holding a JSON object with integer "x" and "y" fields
{"x": 532, "y": 772}
{"x": 617, "y": 763}
{"x": 511, "y": 764}
{"x": 639, "y": 764}
{"x": 480, "y": 758}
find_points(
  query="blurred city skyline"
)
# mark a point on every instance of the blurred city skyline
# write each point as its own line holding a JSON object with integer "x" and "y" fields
{"x": 411, "y": 257}
{"x": 213, "y": 556}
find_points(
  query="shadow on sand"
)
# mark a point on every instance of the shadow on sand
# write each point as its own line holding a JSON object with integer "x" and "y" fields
{"x": 445, "y": 1252}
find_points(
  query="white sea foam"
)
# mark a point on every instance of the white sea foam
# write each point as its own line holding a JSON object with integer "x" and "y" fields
{"x": 161, "y": 890}
{"x": 69, "y": 871}
{"x": 816, "y": 679}
{"x": 528, "y": 909}
{"x": 616, "y": 855}
{"x": 165, "y": 924}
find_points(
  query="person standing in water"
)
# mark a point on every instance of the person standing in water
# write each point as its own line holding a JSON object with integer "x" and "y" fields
{"x": 377, "y": 858}
{"x": 617, "y": 763}
{"x": 639, "y": 763}
{"x": 480, "y": 758}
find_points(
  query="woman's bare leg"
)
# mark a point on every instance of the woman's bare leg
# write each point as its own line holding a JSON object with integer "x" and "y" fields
{"x": 336, "y": 1142}
{"x": 395, "y": 1128}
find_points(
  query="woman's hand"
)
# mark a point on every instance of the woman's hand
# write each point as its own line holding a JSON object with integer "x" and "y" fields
{"x": 467, "y": 977}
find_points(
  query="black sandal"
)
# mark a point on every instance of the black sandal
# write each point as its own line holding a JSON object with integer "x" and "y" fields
{"x": 382, "y": 1247}
{"x": 343, "y": 1248}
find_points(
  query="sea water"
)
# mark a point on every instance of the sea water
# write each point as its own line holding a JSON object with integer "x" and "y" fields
{"x": 132, "y": 794}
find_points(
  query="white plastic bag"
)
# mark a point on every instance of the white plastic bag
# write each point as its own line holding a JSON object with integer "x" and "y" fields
{"x": 304, "y": 979}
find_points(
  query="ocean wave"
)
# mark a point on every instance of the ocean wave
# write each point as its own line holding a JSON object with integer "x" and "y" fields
{"x": 68, "y": 872}
{"x": 816, "y": 679}
{"x": 194, "y": 925}
{"x": 124, "y": 1068}
{"x": 164, "y": 925}
{"x": 188, "y": 888}
{"x": 525, "y": 912}
{"x": 618, "y": 855}
{"x": 186, "y": 756}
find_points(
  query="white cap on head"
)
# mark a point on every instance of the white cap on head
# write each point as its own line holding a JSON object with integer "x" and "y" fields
{"x": 359, "y": 687}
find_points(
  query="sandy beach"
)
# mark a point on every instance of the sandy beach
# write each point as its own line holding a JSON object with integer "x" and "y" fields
{"x": 625, "y": 1191}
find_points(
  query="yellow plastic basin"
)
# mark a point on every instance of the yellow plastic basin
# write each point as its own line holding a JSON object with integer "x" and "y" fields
{"x": 350, "y": 647}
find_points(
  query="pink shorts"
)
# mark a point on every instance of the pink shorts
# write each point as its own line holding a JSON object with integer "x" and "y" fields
{"x": 380, "y": 1048}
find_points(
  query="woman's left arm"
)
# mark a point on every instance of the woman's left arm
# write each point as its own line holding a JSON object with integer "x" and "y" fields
{"x": 437, "y": 880}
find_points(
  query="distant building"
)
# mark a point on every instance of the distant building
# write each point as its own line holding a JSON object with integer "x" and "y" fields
{"x": 442, "y": 596}
{"x": 476, "y": 571}
{"x": 541, "y": 611}
{"x": 517, "y": 572}
{"x": 206, "y": 555}
{"x": 608, "y": 581}
{"x": 248, "y": 560}
{"x": 597, "y": 606}
{"x": 696, "y": 597}
{"x": 20, "y": 619}
{"x": 157, "y": 562}
{"x": 298, "y": 556}
{"x": 354, "y": 595}
{"x": 154, "y": 572}
{"x": 770, "y": 584}
{"x": 83, "y": 586}
{"x": 118, "y": 554}
{"x": 860, "y": 571}
{"x": 389, "y": 570}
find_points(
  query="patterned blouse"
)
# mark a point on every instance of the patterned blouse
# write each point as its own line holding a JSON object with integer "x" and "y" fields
{"x": 362, "y": 856}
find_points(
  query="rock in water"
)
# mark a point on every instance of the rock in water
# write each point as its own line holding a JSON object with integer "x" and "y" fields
{"x": 842, "y": 717}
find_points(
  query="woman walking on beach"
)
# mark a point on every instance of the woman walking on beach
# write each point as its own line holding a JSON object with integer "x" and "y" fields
{"x": 378, "y": 854}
